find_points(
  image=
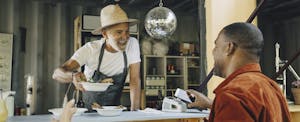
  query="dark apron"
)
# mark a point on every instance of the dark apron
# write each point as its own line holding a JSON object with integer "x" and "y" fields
{"x": 113, "y": 93}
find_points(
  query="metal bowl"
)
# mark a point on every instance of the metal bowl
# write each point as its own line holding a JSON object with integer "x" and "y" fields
{"x": 95, "y": 86}
{"x": 57, "y": 111}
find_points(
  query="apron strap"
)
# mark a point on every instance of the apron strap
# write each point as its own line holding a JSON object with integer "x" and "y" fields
{"x": 101, "y": 55}
{"x": 125, "y": 63}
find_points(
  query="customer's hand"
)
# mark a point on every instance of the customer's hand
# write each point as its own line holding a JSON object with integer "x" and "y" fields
{"x": 68, "y": 112}
{"x": 201, "y": 101}
{"x": 77, "y": 78}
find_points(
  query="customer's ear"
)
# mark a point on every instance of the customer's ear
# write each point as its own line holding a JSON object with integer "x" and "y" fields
{"x": 231, "y": 47}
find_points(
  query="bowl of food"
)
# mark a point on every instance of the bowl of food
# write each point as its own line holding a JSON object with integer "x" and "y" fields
{"x": 110, "y": 110}
{"x": 88, "y": 86}
{"x": 58, "y": 111}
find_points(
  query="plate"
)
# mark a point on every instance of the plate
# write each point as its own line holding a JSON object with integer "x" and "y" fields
{"x": 110, "y": 110}
{"x": 95, "y": 86}
{"x": 58, "y": 111}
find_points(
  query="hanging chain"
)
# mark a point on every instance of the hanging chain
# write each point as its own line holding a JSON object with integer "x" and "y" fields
{"x": 161, "y": 3}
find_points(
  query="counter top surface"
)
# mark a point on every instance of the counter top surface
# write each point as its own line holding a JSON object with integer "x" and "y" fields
{"x": 294, "y": 108}
{"x": 125, "y": 116}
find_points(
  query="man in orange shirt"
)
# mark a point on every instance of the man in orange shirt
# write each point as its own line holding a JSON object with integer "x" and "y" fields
{"x": 246, "y": 95}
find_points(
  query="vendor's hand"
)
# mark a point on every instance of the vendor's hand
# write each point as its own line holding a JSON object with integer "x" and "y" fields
{"x": 68, "y": 112}
{"x": 62, "y": 75}
{"x": 201, "y": 101}
{"x": 77, "y": 78}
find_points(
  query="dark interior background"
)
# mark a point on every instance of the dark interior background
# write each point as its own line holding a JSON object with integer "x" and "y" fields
{"x": 279, "y": 21}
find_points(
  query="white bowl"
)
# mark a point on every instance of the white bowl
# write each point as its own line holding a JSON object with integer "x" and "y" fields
{"x": 58, "y": 111}
{"x": 110, "y": 110}
{"x": 95, "y": 86}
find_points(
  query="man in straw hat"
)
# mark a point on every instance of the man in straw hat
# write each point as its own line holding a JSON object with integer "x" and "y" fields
{"x": 106, "y": 60}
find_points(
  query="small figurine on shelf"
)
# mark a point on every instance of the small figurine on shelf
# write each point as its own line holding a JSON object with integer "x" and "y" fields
{"x": 172, "y": 71}
{"x": 181, "y": 53}
{"x": 169, "y": 68}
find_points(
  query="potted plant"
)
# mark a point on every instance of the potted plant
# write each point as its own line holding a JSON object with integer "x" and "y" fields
{"x": 296, "y": 91}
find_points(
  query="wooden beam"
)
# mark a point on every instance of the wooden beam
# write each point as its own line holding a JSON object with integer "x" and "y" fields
{"x": 155, "y": 4}
{"x": 192, "y": 10}
{"x": 287, "y": 14}
{"x": 286, "y": 4}
{"x": 194, "y": 6}
{"x": 180, "y": 4}
{"x": 130, "y": 2}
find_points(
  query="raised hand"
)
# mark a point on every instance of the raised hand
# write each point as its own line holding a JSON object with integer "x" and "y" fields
{"x": 68, "y": 112}
{"x": 201, "y": 101}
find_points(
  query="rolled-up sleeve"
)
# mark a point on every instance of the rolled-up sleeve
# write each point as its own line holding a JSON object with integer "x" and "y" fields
{"x": 134, "y": 51}
{"x": 82, "y": 54}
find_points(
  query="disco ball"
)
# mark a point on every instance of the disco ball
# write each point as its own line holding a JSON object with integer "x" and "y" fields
{"x": 160, "y": 22}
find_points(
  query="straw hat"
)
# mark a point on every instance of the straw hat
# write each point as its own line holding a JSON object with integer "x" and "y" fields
{"x": 111, "y": 15}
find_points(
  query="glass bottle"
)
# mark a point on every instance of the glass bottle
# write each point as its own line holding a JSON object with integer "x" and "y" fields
{"x": 159, "y": 100}
{"x": 3, "y": 109}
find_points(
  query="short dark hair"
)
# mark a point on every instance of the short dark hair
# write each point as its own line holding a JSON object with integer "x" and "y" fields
{"x": 246, "y": 36}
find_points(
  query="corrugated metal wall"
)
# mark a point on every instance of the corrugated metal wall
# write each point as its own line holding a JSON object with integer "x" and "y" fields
{"x": 49, "y": 38}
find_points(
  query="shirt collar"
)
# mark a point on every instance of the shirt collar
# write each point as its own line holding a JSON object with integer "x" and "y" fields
{"x": 251, "y": 67}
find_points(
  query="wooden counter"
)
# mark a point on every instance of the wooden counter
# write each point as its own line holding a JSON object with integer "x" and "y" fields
{"x": 138, "y": 116}
{"x": 295, "y": 112}
{"x": 125, "y": 116}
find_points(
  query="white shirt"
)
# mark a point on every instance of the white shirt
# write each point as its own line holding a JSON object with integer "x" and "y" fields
{"x": 112, "y": 63}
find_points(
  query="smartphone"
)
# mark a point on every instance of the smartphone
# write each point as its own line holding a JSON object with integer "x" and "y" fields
{"x": 181, "y": 94}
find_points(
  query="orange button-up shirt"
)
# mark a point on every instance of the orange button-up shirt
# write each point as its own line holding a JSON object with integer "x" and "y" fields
{"x": 249, "y": 96}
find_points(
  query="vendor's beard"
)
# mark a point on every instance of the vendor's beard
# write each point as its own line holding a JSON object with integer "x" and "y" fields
{"x": 114, "y": 44}
{"x": 122, "y": 45}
